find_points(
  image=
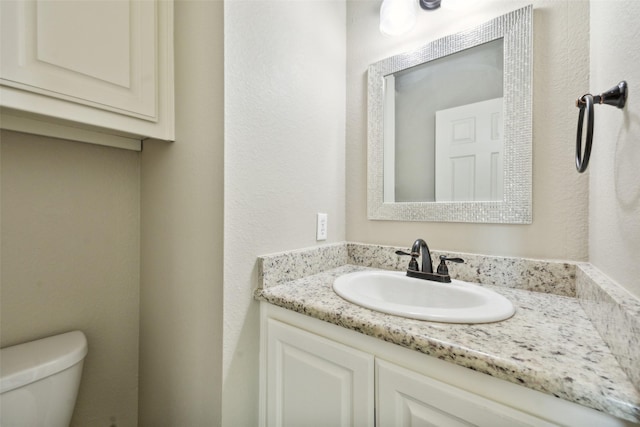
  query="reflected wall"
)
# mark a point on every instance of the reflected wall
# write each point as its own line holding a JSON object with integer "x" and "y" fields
{"x": 466, "y": 77}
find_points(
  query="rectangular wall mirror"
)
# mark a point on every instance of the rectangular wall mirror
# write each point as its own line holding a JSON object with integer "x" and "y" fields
{"x": 449, "y": 127}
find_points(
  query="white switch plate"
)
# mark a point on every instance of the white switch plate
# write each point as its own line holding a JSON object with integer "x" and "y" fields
{"x": 321, "y": 227}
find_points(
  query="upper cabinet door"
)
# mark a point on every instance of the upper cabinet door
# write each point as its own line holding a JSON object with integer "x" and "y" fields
{"x": 102, "y": 63}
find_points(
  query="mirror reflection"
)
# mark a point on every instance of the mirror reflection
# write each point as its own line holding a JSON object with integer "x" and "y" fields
{"x": 443, "y": 131}
{"x": 449, "y": 127}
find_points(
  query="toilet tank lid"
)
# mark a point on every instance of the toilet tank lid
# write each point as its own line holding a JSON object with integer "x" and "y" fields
{"x": 29, "y": 362}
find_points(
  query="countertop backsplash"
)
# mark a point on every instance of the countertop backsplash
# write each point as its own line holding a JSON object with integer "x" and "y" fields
{"x": 521, "y": 273}
{"x": 616, "y": 315}
{"x": 551, "y": 277}
{"x": 278, "y": 268}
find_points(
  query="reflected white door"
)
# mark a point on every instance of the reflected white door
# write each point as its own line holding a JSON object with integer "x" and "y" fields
{"x": 469, "y": 152}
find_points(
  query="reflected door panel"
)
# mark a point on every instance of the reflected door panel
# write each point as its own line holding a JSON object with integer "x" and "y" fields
{"x": 469, "y": 152}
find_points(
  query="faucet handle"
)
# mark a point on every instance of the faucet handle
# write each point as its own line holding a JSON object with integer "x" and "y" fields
{"x": 442, "y": 268}
{"x": 444, "y": 258}
{"x": 413, "y": 264}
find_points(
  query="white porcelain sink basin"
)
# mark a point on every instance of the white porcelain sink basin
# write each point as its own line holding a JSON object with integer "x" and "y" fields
{"x": 393, "y": 292}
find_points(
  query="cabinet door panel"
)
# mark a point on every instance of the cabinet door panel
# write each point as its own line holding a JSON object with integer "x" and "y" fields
{"x": 408, "y": 399}
{"x": 98, "y": 53}
{"x": 312, "y": 381}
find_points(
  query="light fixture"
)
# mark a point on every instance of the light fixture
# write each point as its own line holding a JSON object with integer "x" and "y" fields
{"x": 429, "y": 4}
{"x": 398, "y": 17}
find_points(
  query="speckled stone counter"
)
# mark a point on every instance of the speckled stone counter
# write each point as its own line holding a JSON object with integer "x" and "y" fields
{"x": 549, "y": 345}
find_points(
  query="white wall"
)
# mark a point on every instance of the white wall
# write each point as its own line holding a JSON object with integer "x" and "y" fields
{"x": 614, "y": 190}
{"x": 284, "y": 159}
{"x": 70, "y": 260}
{"x": 181, "y": 246}
{"x": 561, "y": 58}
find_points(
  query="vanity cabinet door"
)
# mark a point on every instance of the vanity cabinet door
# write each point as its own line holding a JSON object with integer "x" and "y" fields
{"x": 107, "y": 64}
{"x": 406, "y": 398}
{"x": 313, "y": 381}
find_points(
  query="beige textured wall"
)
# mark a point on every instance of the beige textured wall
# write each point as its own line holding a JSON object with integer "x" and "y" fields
{"x": 561, "y": 58}
{"x": 614, "y": 170}
{"x": 70, "y": 260}
{"x": 181, "y": 244}
{"x": 284, "y": 159}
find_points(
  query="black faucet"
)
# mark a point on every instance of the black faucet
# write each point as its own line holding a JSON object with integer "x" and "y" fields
{"x": 420, "y": 248}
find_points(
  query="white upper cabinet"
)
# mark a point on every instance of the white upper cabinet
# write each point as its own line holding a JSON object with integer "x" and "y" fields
{"x": 101, "y": 65}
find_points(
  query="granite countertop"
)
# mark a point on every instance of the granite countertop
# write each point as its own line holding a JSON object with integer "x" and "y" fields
{"x": 549, "y": 345}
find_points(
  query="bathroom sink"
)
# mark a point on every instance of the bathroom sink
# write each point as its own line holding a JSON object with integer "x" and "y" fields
{"x": 393, "y": 292}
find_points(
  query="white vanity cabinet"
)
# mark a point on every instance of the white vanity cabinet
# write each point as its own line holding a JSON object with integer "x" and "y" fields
{"x": 313, "y": 373}
{"x": 315, "y": 381}
{"x": 94, "y": 71}
{"x": 408, "y": 399}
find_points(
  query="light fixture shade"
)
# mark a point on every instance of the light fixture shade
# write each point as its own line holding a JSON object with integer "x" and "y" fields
{"x": 397, "y": 16}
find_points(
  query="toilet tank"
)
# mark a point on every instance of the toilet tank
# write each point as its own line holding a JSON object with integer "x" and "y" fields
{"x": 39, "y": 380}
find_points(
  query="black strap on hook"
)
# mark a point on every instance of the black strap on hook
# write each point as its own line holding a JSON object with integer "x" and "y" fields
{"x": 617, "y": 97}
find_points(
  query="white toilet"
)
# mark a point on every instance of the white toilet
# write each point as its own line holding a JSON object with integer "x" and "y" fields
{"x": 39, "y": 381}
